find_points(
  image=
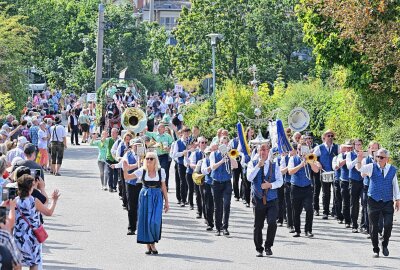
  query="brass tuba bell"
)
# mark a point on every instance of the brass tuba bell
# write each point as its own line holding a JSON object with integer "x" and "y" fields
{"x": 311, "y": 158}
{"x": 134, "y": 120}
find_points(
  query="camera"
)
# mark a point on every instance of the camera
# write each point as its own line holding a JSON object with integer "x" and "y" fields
{"x": 9, "y": 193}
{"x": 35, "y": 173}
{"x": 3, "y": 214}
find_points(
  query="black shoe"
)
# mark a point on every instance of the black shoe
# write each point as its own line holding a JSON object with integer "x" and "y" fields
{"x": 183, "y": 204}
{"x": 130, "y": 232}
{"x": 114, "y": 190}
{"x": 280, "y": 224}
{"x": 309, "y": 234}
{"x": 296, "y": 235}
{"x": 154, "y": 252}
{"x": 354, "y": 230}
{"x": 237, "y": 199}
{"x": 209, "y": 228}
{"x": 268, "y": 251}
{"x": 325, "y": 216}
{"x": 218, "y": 233}
{"x": 316, "y": 213}
{"x": 226, "y": 232}
{"x": 191, "y": 207}
{"x": 148, "y": 252}
{"x": 198, "y": 216}
{"x": 376, "y": 255}
{"x": 259, "y": 254}
{"x": 110, "y": 190}
{"x": 179, "y": 202}
{"x": 340, "y": 221}
{"x": 368, "y": 236}
{"x": 78, "y": 144}
{"x": 291, "y": 230}
{"x": 385, "y": 251}
{"x": 247, "y": 205}
{"x": 348, "y": 226}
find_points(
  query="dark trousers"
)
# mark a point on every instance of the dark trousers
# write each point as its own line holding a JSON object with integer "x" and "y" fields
{"x": 74, "y": 134}
{"x": 190, "y": 185}
{"x": 112, "y": 175}
{"x": 209, "y": 205}
{"x": 338, "y": 200}
{"x": 177, "y": 183}
{"x": 122, "y": 187}
{"x": 222, "y": 192}
{"x": 182, "y": 182}
{"x": 236, "y": 176}
{"x": 344, "y": 188}
{"x": 316, "y": 177}
{"x": 281, "y": 204}
{"x": 263, "y": 212}
{"x": 288, "y": 203}
{"x": 364, "y": 216}
{"x": 199, "y": 199}
{"x": 375, "y": 209}
{"x": 326, "y": 196}
{"x": 302, "y": 197}
{"x": 164, "y": 163}
{"x": 245, "y": 188}
{"x": 132, "y": 194}
{"x": 356, "y": 190}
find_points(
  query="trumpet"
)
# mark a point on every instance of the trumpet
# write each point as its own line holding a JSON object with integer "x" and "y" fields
{"x": 223, "y": 149}
{"x": 310, "y": 158}
{"x": 233, "y": 153}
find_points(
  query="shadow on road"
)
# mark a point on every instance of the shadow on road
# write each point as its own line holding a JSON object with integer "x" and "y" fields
{"x": 192, "y": 258}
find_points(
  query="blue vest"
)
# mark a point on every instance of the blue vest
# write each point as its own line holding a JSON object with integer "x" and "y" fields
{"x": 131, "y": 160}
{"x": 123, "y": 147}
{"x": 199, "y": 155}
{"x": 368, "y": 160}
{"x": 208, "y": 179}
{"x": 300, "y": 177}
{"x": 344, "y": 171}
{"x": 381, "y": 188}
{"x": 258, "y": 180}
{"x": 287, "y": 177}
{"x": 181, "y": 148}
{"x": 326, "y": 157}
{"x": 220, "y": 174}
{"x": 337, "y": 175}
{"x": 354, "y": 174}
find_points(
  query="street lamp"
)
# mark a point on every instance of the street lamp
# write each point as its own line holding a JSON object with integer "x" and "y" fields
{"x": 214, "y": 37}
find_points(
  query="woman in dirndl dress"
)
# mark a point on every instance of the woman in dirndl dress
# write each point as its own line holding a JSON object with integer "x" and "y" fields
{"x": 151, "y": 197}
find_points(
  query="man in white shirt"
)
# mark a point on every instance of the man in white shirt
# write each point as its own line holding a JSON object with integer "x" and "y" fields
{"x": 58, "y": 143}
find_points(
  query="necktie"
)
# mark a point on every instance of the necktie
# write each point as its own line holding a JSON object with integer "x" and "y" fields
{"x": 383, "y": 172}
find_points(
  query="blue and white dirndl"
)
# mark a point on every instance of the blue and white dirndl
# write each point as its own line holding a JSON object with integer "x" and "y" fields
{"x": 150, "y": 215}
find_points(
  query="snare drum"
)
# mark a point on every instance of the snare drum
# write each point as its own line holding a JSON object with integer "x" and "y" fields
{"x": 327, "y": 177}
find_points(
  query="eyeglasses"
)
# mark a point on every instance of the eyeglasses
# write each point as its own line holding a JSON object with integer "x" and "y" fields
{"x": 203, "y": 142}
{"x": 380, "y": 157}
{"x": 150, "y": 158}
{"x": 330, "y": 136}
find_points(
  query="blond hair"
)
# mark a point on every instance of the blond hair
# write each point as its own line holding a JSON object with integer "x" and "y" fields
{"x": 151, "y": 155}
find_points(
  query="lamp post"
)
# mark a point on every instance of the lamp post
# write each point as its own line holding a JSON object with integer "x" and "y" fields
{"x": 99, "y": 52}
{"x": 214, "y": 37}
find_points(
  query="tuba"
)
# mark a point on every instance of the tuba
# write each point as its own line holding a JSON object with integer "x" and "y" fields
{"x": 233, "y": 153}
{"x": 134, "y": 120}
{"x": 310, "y": 158}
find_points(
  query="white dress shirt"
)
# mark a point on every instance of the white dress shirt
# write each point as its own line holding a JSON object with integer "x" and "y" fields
{"x": 252, "y": 172}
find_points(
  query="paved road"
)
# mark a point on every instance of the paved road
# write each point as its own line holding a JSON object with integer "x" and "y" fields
{"x": 88, "y": 231}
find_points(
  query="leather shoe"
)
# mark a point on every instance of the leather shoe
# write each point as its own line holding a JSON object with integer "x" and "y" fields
{"x": 316, "y": 213}
{"x": 209, "y": 228}
{"x": 325, "y": 217}
{"x": 376, "y": 255}
{"x": 385, "y": 251}
{"x": 218, "y": 233}
{"x": 259, "y": 254}
{"x": 130, "y": 232}
{"x": 291, "y": 230}
{"x": 309, "y": 234}
{"x": 296, "y": 235}
{"x": 226, "y": 232}
{"x": 348, "y": 226}
{"x": 268, "y": 251}
{"x": 198, "y": 216}
{"x": 354, "y": 230}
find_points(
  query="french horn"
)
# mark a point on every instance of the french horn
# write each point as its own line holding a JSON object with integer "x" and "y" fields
{"x": 134, "y": 120}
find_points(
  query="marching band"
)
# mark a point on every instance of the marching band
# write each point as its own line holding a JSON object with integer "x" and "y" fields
{"x": 277, "y": 181}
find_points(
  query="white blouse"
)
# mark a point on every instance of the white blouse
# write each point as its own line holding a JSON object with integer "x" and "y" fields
{"x": 139, "y": 174}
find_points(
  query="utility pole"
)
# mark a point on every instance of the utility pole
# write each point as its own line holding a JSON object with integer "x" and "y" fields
{"x": 151, "y": 11}
{"x": 99, "y": 53}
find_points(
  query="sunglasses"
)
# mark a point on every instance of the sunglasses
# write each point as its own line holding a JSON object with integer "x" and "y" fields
{"x": 380, "y": 157}
{"x": 330, "y": 136}
{"x": 150, "y": 158}
{"x": 203, "y": 142}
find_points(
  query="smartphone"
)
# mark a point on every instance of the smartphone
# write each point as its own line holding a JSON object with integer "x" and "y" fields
{"x": 3, "y": 214}
{"x": 12, "y": 193}
{"x": 4, "y": 195}
{"x": 35, "y": 173}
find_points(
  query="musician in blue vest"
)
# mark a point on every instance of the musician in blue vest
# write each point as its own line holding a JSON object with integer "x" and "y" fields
{"x": 195, "y": 157}
{"x": 275, "y": 157}
{"x": 245, "y": 187}
{"x": 356, "y": 183}
{"x": 221, "y": 173}
{"x": 316, "y": 177}
{"x": 122, "y": 147}
{"x": 373, "y": 147}
{"x": 133, "y": 187}
{"x": 181, "y": 150}
{"x": 265, "y": 177}
{"x": 234, "y": 144}
{"x": 336, "y": 188}
{"x": 344, "y": 182}
{"x": 208, "y": 196}
{"x": 382, "y": 192}
{"x": 326, "y": 151}
{"x": 286, "y": 182}
{"x": 301, "y": 190}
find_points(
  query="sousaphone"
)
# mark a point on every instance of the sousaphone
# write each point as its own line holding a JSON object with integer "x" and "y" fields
{"x": 134, "y": 120}
{"x": 298, "y": 119}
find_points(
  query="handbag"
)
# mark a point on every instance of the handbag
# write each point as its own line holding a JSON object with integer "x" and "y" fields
{"x": 40, "y": 233}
